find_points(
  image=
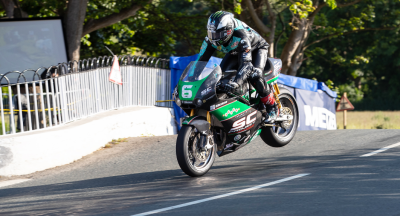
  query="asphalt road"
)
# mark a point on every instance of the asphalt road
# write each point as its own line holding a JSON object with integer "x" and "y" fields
{"x": 318, "y": 173}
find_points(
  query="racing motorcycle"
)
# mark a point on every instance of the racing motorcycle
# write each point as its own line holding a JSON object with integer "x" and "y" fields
{"x": 220, "y": 122}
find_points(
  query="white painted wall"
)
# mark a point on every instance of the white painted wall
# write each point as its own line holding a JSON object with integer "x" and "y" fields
{"x": 46, "y": 148}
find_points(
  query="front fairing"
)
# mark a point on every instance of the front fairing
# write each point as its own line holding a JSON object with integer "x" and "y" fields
{"x": 199, "y": 83}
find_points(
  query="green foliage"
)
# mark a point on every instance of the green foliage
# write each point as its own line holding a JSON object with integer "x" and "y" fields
{"x": 363, "y": 64}
{"x": 331, "y": 3}
{"x": 238, "y": 8}
{"x": 302, "y": 8}
{"x": 162, "y": 28}
{"x": 353, "y": 94}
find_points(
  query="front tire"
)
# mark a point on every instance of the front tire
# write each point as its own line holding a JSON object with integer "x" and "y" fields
{"x": 279, "y": 136}
{"x": 191, "y": 159}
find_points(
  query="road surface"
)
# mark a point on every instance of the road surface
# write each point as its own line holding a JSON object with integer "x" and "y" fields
{"x": 318, "y": 173}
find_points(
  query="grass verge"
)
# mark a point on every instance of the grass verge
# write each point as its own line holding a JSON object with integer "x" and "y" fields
{"x": 370, "y": 120}
{"x": 115, "y": 142}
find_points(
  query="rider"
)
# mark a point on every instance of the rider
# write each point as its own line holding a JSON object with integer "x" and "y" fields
{"x": 245, "y": 50}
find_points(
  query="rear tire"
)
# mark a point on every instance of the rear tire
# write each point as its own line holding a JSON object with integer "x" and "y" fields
{"x": 278, "y": 136}
{"x": 186, "y": 155}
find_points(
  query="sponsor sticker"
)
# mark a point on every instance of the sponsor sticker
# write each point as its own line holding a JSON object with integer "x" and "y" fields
{"x": 187, "y": 102}
{"x": 229, "y": 32}
{"x": 240, "y": 129}
{"x": 277, "y": 66}
{"x": 237, "y": 137}
{"x": 244, "y": 123}
{"x": 205, "y": 91}
{"x": 228, "y": 146}
{"x": 231, "y": 112}
{"x": 213, "y": 107}
{"x": 234, "y": 44}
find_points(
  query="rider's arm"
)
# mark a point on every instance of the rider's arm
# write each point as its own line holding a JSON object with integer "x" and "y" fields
{"x": 244, "y": 58}
{"x": 206, "y": 50}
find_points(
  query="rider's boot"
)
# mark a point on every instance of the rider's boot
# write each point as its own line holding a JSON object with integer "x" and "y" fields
{"x": 271, "y": 108}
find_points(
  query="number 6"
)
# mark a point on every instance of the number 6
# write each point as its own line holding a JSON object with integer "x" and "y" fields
{"x": 186, "y": 93}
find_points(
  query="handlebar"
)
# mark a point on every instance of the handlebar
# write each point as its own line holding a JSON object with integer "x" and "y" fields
{"x": 238, "y": 97}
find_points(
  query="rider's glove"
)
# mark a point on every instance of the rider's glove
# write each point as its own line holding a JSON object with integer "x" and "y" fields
{"x": 231, "y": 86}
{"x": 256, "y": 73}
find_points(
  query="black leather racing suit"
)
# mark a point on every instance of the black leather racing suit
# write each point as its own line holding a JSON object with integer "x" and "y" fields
{"x": 246, "y": 52}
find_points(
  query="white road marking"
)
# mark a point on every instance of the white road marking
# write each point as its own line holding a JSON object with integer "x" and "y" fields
{"x": 223, "y": 195}
{"x": 380, "y": 150}
{"x": 12, "y": 182}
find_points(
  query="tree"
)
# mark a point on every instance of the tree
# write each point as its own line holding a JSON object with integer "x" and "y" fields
{"x": 365, "y": 64}
{"x": 160, "y": 29}
{"x": 13, "y": 9}
{"x": 294, "y": 35}
{"x": 77, "y": 21}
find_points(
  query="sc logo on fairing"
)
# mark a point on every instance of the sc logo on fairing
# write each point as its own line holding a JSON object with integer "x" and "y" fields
{"x": 241, "y": 123}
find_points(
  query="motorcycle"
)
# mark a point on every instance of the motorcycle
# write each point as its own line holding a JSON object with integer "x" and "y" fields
{"x": 219, "y": 122}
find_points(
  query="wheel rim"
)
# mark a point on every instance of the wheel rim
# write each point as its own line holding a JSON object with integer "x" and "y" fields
{"x": 287, "y": 109}
{"x": 198, "y": 159}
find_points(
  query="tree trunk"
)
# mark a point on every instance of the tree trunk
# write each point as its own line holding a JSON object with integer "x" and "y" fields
{"x": 8, "y": 6}
{"x": 291, "y": 46}
{"x": 18, "y": 12}
{"x": 271, "y": 37}
{"x": 73, "y": 26}
{"x": 267, "y": 32}
{"x": 298, "y": 56}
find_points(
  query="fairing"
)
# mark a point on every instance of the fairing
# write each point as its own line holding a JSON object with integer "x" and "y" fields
{"x": 198, "y": 82}
{"x": 272, "y": 70}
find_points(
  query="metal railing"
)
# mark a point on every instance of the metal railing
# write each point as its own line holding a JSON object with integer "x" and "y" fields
{"x": 70, "y": 91}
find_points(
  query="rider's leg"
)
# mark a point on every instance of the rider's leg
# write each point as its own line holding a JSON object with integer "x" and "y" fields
{"x": 267, "y": 97}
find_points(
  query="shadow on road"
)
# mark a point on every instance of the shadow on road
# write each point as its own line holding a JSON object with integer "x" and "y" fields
{"x": 338, "y": 176}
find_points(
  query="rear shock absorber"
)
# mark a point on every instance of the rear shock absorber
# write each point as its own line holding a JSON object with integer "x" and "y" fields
{"x": 276, "y": 93}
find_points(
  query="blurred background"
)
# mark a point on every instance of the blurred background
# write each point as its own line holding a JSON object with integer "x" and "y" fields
{"x": 351, "y": 45}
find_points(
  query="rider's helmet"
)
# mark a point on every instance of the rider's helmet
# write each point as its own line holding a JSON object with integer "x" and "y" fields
{"x": 220, "y": 27}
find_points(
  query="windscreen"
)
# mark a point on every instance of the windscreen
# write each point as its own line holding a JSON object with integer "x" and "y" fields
{"x": 30, "y": 45}
{"x": 197, "y": 70}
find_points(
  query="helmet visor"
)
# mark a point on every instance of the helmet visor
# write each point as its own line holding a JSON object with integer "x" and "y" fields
{"x": 216, "y": 35}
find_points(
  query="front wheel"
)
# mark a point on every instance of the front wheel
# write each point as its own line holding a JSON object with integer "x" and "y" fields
{"x": 192, "y": 158}
{"x": 283, "y": 133}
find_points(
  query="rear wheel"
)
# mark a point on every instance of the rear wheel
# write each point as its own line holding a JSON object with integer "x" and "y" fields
{"x": 192, "y": 158}
{"x": 283, "y": 133}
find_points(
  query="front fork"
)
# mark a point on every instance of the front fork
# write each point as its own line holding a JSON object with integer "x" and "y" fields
{"x": 208, "y": 116}
{"x": 276, "y": 92}
{"x": 204, "y": 138}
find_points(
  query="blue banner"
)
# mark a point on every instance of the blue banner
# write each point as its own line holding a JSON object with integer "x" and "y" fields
{"x": 316, "y": 110}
